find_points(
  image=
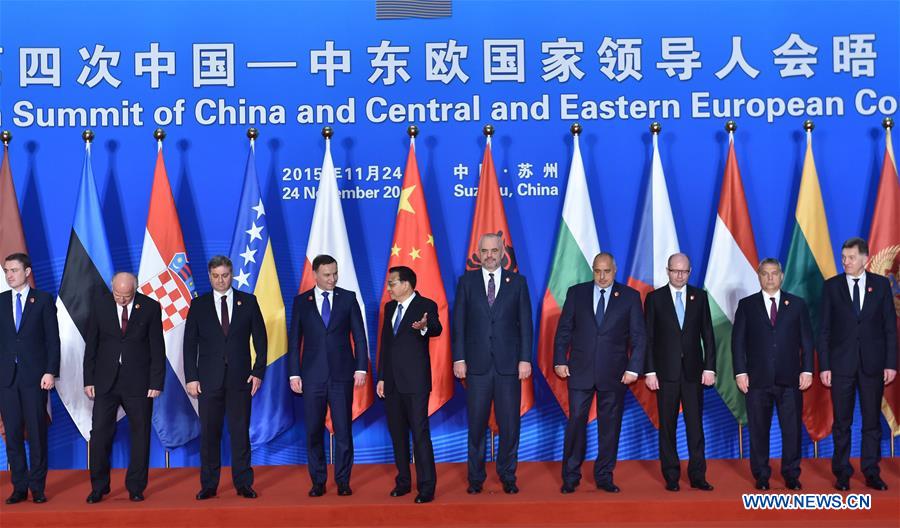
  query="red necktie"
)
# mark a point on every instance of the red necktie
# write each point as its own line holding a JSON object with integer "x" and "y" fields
{"x": 225, "y": 322}
{"x": 124, "y": 319}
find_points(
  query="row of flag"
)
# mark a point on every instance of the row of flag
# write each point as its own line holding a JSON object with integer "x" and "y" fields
{"x": 165, "y": 275}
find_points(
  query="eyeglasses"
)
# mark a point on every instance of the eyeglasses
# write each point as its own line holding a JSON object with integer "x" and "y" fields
{"x": 678, "y": 271}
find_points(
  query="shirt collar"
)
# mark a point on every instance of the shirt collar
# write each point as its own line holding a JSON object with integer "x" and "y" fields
{"x": 24, "y": 292}
{"x": 319, "y": 292}
{"x": 408, "y": 300}
{"x": 229, "y": 292}
{"x": 766, "y": 297}
{"x": 673, "y": 289}
{"x": 497, "y": 272}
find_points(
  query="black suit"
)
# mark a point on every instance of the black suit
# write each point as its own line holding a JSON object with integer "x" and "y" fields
{"x": 25, "y": 356}
{"x": 326, "y": 365}
{"x": 122, "y": 368}
{"x": 679, "y": 355}
{"x": 404, "y": 364}
{"x": 222, "y": 365}
{"x": 856, "y": 348}
{"x": 597, "y": 358}
{"x": 773, "y": 357}
{"x": 492, "y": 340}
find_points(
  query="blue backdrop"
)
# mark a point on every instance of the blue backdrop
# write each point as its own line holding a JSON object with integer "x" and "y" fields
{"x": 309, "y": 64}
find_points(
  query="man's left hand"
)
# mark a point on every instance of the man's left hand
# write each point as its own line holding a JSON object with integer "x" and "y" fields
{"x": 708, "y": 378}
{"x": 254, "y": 384}
{"x": 524, "y": 369}
{"x": 153, "y": 393}
{"x": 889, "y": 375}
{"x": 359, "y": 379}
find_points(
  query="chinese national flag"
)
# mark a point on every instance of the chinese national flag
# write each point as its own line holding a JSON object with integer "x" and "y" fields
{"x": 413, "y": 246}
{"x": 490, "y": 217}
{"x": 884, "y": 249}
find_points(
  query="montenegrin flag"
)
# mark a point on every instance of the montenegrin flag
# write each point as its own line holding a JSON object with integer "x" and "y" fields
{"x": 730, "y": 276}
{"x": 576, "y": 246}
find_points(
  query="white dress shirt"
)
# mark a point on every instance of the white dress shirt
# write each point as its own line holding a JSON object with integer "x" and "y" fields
{"x": 862, "y": 287}
{"x": 486, "y": 275}
{"x": 120, "y": 309}
{"x": 229, "y": 300}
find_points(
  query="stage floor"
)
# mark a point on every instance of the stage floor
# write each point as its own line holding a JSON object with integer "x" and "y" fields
{"x": 283, "y": 501}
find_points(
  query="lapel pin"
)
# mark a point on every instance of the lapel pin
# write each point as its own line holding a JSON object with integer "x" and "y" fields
{"x": 787, "y": 302}
{"x": 31, "y": 300}
{"x": 239, "y": 303}
{"x": 309, "y": 298}
{"x": 137, "y": 306}
{"x": 507, "y": 279}
{"x": 869, "y": 289}
{"x": 691, "y": 298}
{"x": 615, "y": 294}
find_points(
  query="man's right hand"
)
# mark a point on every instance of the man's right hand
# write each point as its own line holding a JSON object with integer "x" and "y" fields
{"x": 89, "y": 391}
{"x": 743, "y": 383}
{"x": 652, "y": 382}
{"x": 297, "y": 385}
{"x": 459, "y": 369}
{"x": 825, "y": 377}
{"x": 193, "y": 388}
{"x": 562, "y": 371}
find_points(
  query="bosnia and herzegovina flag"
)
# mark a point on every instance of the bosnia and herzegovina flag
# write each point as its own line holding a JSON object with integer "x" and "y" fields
{"x": 254, "y": 272}
{"x": 165, "y": 276}
{"x": 88, "y": 272}
{"x": 809, "y": 264}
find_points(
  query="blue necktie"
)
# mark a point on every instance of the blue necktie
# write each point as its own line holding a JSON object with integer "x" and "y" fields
{"x": 398, "y": 318}
{"x": 18, "y": 311}
{"x": 601, "y": 308}
{"x": 857, "y": 305}
{"x": 679, "y": 309}
{"x": 326, "y": 308}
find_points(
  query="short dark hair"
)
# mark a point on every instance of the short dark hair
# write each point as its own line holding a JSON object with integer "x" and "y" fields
{"x": 219, "y": 260}
{"x": 405, "y": 274}
{"x": 768, "y": 260}
{"x": 322, "y": 260}
{"x": 23, "y": 259}
{"x": 858, "y": 243}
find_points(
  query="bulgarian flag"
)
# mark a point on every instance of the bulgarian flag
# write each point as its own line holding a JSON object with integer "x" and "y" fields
{"x": 809, "y": 263}
{"x": 576, "y": 247}
{"x": 657, "y": 240}
{"x": 328, "y": 236}
{"x": 884, "y": 246}
{"x": 730, "y": 276}
{"x": 413, "y": 246}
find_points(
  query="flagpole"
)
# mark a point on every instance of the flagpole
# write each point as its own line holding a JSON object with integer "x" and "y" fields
{"x": 88, "y": 137}
{"x": 331, "y": 445}
{"x": 740, "y": 441}
{"x": 815, "y": 449}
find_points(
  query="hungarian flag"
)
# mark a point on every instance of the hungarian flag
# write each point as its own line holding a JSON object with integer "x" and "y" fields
{"x": 254, "y": 264}
{"x": 730, "y": 276}
{"x": 328, "y": 236}
{"x": 413, "y": 246}
{"x": 87, "y": 272}
{"x": 12, "y": 238}
{"x": 884, "y": 248}
{"x": 490, "y": 217}
{"x": 810, "y": 262}
{"x": 657, "y": 240}
{"x": 165, "y": 276}
{"x": 576, "y": 246}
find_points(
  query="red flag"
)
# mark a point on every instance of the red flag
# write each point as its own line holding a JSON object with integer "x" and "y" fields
{"x": 413, "y": 246}
{"x": 490, "y": 217}
{"x": 884, "y": 248}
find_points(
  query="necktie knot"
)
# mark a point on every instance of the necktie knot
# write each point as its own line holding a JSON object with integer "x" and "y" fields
{"x": 325, "y": 295}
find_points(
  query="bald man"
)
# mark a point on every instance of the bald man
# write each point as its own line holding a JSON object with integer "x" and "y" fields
{"x": 124, "y": 364}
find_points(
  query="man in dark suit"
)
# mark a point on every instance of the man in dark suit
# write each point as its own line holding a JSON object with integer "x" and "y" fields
{"x": 327, "y": 368}
{"x": 600, "y": 321}
{"x": 218, "y": 369}
{"x": 124, "y": 364}
{"x": 29, "y": 366}
{"x": 772, "y": 351}
{"x": 492, "y": 340}
{"x": 857, "y": 352}
{"x": 404, "y": 374}
{"x": 681, "y": 360}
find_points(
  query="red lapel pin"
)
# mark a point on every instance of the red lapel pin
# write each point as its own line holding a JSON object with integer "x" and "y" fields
{"x": 31, "y": 300}
{"x": 615, "y": 294}
{"x": 787, "y": 302}
{"x": 137, "y": 306}
{"x": 869, "y": 289}
{"x": 239, "y": 303}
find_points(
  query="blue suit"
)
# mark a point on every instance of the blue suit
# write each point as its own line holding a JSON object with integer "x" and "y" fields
{"x": 598, "y": 357}
{"x": 773, "y": 357}
{"x": 325, "y": 361}
{"x": 25, "y": 356}
{"x": 492, "y": 340}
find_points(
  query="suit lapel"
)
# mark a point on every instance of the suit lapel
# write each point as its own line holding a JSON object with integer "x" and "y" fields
{"x": 868, "y": 295}
{"x": 311, "y": 301}
{"x": 845, "y": 291}
{"x": 669, "y": 306}
{"x": 611, "y": 303}
{"x": 27, "y": 303}
{"x": 7, "y": 310}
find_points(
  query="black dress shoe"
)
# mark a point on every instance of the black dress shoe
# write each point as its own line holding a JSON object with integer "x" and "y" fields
{"x": 38, "y": 497}
{"x": 135, "y": 497}
{"x": 793, "y": 484}
{"x": 17, "y": 496}
{"x": 422, "y": 499}
{"x": 474, "y": 488}
{"x": 672, "y": 486}
{"x": 567, "y": 488}
{"x": 762, "y": 484}
{"x": 876, "y": 483}
{"x": 510, "y": 488}
{"x": 344, "y": 490}
{"x": 94, "y": 497}
{"x": 399, "y": 492}
{"x": 317, "y": 490}
{"x": 247, "y": 492}
{"x": 842, "y": 484}
{"x": 206, "y": 493}
{"x": 702, "y": 485}
{"x": 608, "y": 487}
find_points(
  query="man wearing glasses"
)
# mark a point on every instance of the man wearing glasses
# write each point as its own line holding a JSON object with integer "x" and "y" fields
{"x": 681, "y": 359}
